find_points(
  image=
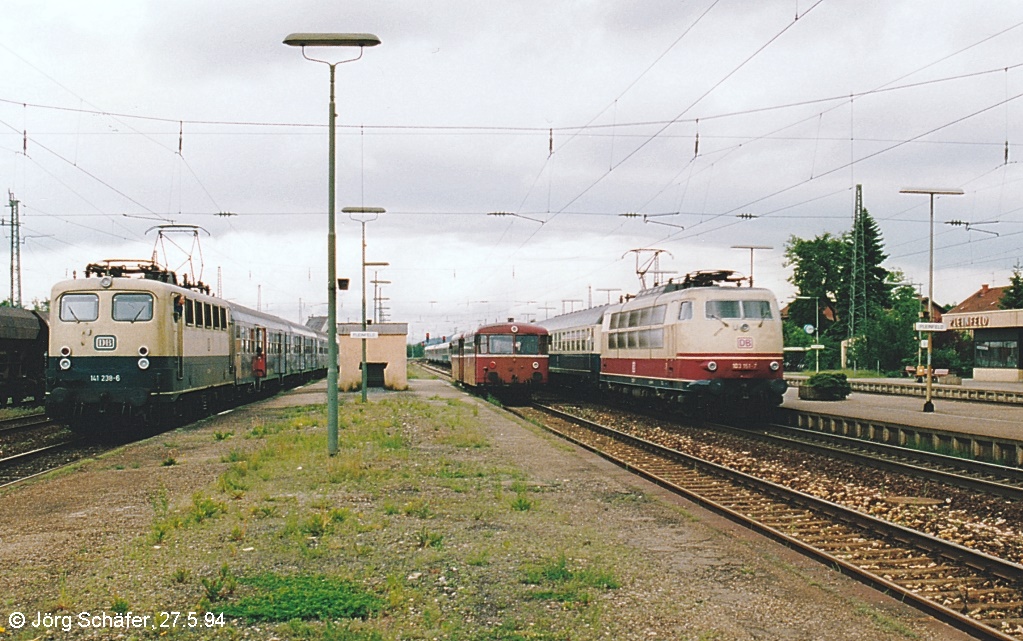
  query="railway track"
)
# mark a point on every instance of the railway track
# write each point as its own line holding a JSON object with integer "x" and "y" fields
{"x": 21, "y": 423}
{"x": 34, "y": 445}
{"x": 22, "y": 466}
{"x": 974, "y": 591}
{"x": 979, "y": 476}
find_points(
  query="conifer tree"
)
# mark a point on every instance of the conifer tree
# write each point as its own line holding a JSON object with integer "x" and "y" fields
{"x": 1012, "y": 296}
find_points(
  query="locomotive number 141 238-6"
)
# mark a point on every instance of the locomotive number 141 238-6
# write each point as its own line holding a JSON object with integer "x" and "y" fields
{"x": 105, "y": 378}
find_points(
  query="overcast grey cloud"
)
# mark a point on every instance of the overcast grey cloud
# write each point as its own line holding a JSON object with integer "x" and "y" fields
{"x": 119, "y": 116}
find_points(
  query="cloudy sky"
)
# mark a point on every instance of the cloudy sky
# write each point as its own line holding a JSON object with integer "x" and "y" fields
{"x": 724, "y": 122}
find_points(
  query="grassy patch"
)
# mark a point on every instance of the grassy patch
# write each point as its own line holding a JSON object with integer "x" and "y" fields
{"x": 558, "y": 582}
{"x": 270, "y": 597}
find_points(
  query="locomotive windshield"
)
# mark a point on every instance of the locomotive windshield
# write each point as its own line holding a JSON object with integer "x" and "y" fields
{"x": 133, "y": 307}
{"x": 79, "y": 308}
{"x": 746, "y": 309}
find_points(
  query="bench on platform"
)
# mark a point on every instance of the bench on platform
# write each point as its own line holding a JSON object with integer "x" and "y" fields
{"x": 941, "y": 375}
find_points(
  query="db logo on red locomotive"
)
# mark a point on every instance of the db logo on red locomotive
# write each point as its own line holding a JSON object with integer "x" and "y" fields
{"x": 744, "y": 342}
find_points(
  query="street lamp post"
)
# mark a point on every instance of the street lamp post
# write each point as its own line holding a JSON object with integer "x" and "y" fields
{"x": 751, "y": 249}
{"x": 816, "y": 328}
{"x": 928, "y": 403}
{"x": 364, "y": 215}
{"x": 304, "y": 40}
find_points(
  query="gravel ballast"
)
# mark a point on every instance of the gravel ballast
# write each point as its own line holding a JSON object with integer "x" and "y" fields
{"x": 456, "y": 520}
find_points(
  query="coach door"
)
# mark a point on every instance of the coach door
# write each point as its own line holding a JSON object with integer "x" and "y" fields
{"x": 460, "y": 360}
{"x": 259, "y": 358}
{"x": 181, "y": 302}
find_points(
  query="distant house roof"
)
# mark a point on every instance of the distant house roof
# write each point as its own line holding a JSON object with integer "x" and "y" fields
{"x": 984, "y": 300}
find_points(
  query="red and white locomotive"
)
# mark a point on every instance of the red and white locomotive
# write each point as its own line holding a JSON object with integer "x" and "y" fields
{"x": 508, "y": 360}
{"x": 699, "y": 342}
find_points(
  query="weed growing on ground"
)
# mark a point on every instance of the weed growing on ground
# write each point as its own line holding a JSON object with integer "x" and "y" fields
{"x": 271, "y": 597}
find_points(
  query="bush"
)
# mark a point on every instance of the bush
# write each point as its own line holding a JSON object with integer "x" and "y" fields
{"x": 835, "y": 385}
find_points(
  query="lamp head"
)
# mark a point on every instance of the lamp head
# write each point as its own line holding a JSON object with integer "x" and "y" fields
{"x": 332, "y": 40}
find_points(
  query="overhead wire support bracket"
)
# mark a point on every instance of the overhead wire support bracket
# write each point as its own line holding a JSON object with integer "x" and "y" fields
{"x": 973, "y": 226}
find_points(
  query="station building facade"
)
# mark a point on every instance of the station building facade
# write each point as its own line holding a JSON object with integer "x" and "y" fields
{"x": 386, "y": 354}
{"x": 997, "y": 334}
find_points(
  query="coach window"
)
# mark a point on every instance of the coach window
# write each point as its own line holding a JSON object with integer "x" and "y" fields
{"x": 79, "y": 308}
{"x": 685, "y": 311}
{"x": 132, "y": 307}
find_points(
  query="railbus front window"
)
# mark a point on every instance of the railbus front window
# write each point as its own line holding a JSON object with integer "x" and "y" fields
{"x": 132, "y": 307}
{"x": 79, "y": 308}
{"x": 527, "y": 345}
{"x": 500, "y": 344}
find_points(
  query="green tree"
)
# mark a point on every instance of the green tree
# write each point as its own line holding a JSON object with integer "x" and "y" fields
{"x": 817, "y": 274}
{"x": 888, "y": 342}
{"x": 866, "y": 288}
{"x": 1012, "y": 296}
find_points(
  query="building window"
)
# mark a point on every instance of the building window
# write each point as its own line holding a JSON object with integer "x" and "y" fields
{"x": 997, "y": 354}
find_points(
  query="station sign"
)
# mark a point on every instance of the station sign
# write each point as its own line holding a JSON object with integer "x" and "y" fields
{"x": 365, "y": 334}
{"x": 930, "y": 327}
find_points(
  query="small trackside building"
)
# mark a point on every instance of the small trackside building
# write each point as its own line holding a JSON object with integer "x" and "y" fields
{"x": 997, "y": 334}
{"x": 386, "y": 356}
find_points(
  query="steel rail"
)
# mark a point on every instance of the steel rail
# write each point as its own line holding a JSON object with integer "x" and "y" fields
{"x": 22, "y": 457}
{"x": 964, "y": 557}
{"x": 886, "y": 456}
{"x": 28, "y": 421}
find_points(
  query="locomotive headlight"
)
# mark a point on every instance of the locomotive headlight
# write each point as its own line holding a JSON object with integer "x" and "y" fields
{"x": 493, "y": 365}
{"x": 775, "y": 366}
{"x": 143, "y": 351}
{"x": 711, "y": 366}
{"x": 65, "y": 364}
{"x": 143, "y": 363}
{"x": 106, "y": 282}
{"x": 744, "y": 327}
{"x": 536, "y": 365}
{"x": 65, "y": 351}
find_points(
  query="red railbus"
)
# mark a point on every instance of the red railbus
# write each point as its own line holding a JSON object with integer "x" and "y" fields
{"x": 508, "y": 360}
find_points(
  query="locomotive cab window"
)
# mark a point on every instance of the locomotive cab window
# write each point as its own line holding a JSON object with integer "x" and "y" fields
{"x": 756, "y": 309}
{"x": 189, "y": 312}
{"x": 746, "y": 309}
{"x": 132, "y": 307}
{"x": 685, "y": 310}
{"x": 79, "y": 308}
